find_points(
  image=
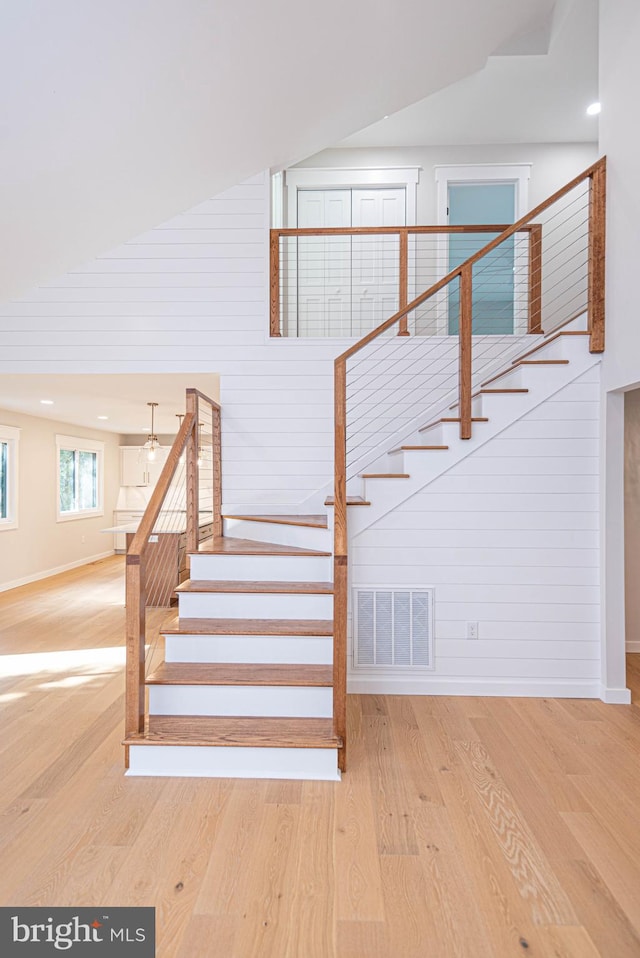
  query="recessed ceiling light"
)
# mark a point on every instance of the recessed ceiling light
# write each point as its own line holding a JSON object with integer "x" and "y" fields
{"x": 593, "y": 109}
{"x": 47, "y": 402}
{"x": 103, "y": 417}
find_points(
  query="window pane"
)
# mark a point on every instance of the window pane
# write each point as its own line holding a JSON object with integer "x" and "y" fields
{"x": 4, "y": 454}
{"x": 67, "y": 480}
{"x": 87, "y": 485}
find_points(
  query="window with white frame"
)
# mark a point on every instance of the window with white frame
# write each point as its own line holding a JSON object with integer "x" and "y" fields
{"x": 80, "y": 477}
{"x": 9, "y": 437}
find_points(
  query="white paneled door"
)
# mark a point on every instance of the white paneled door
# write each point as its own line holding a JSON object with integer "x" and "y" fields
{"x": 347, "y": 285}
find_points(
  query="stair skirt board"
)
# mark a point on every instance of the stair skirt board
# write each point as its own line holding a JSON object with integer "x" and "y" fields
{"x": 201, "y": 761}
{"x": 259, "y": 649}
{"x": 253, "y": 605}
{"x": 247, "y": 700}
{"x": 299, "y": 568}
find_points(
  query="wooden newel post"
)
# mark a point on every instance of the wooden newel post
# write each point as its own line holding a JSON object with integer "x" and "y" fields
{"x": 274, "y": 281}
{"x": 403, "y": 279}
{"x": 340, "y": 553}
{"x": 217, "y": 470}
{"x": 535, "y": 279}
{"x": 597, "y": 230}
{"x": 193, "y": 484}
{"x": 465, "y": 360}
{"x": 135, "y": 619}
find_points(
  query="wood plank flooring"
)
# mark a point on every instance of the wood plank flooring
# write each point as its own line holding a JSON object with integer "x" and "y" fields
{"x": 464, "y": 828}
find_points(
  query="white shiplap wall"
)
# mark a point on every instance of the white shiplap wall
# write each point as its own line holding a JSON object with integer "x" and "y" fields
{"x": 509, "y": 539}
{"x": 191, "y": 295}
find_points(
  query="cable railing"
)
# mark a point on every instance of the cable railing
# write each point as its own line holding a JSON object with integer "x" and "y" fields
{"x": 183, "y": 512}
{"x": 346, "y": 281}
{"x": 433, "y": 353}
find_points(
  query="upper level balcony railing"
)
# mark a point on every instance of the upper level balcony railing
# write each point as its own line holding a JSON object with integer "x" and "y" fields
{"x": 344, "y": 282}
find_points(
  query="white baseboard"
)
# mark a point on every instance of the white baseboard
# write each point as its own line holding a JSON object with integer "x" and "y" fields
{"x": 633, "y": 646}
{"x": 5, "y": 586}
{"x": 615, "y": 696}
{"x": 432, "y": 685}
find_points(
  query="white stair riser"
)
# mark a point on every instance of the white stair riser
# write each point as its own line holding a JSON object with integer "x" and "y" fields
{"x": 255, "y": 700}
{"x": 266, "y": 568}
{"x": 191, "y": 761}
{"x": 268, "y": 649}
{"x": 254, "y": 605}
{"x": 305, "y": 537}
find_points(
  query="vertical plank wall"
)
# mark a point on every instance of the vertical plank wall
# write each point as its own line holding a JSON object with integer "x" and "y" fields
{"x": 509, "y": 539}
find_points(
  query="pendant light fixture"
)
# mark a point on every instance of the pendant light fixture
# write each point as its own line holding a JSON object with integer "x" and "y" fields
{"x": 152, "y": 443}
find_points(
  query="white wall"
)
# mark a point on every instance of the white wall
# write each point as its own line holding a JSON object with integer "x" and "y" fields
{"x": 121, "y": 114}
{"x": 192, "y": 296}
{"x": 40, "y": 545}
{"x": 620, "y": 141}
{"x": 632, "y": 517}
{"x": 619, "y": 68}
{"x": 553, "y": 165}
{"x": 509, "y": 539}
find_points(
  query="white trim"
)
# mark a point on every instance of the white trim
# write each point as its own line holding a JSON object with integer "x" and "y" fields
{"x": 11, "y": 435}
{"x": 26, "y": 580}
{"x": 615, "y": 696}
{"x": 78, "y": 444}
{"x": 518, "y": 173}
{"x": 353, "y": 178}
{"x": 633, "y": 646}
{"x": 434, "y": 685}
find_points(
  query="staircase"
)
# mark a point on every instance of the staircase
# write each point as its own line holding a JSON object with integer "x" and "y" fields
{"x": 245, "y": 689}
{"x": 253, "y": 678}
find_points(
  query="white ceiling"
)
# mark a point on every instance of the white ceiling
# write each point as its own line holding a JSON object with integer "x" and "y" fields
{"x": 118, "y": 115}
{"x": 538, "y": 97}
{"x": 80, "y": 399}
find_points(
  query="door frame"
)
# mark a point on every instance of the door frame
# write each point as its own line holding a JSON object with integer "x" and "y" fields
{"x": 446, "y": 174}
{"x": 335, "y": 177}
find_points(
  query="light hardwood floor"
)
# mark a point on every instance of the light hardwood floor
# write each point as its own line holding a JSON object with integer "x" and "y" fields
{"x": 469, "y": 827}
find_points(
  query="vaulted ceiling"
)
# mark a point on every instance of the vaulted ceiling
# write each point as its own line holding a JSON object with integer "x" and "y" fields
{"x": 117, "y": 115}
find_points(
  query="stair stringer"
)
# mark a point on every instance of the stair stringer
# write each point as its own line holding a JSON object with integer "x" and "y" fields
{"x": 386, "y": 495}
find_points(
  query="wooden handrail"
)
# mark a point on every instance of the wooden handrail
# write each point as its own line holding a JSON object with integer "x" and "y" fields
{"x": 472, "y": 260}
{"x": 403, "y": 232}
{"x": 388, "y": 230}
{"x": 154, "y": 506}
{"x": 136, "y": 558}
{"x": 596, "y": 174}
{"x": 135, "y": 585}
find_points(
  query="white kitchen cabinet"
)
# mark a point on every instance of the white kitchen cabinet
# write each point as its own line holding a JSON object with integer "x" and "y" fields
{"x": 134, "y": 468}
{"x": 123, "y": 517}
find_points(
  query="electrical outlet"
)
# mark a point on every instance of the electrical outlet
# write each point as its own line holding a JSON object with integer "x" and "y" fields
{"x": 472, "y": 630}
{"x": 82, "y": 538}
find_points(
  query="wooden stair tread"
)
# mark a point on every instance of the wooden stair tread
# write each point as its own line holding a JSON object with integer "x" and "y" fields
{"x": 542, "y": 362}
{"x": 312, "y": 522}
{"x": 495, "y": 391}
{"x": 385, "y": 475}
{"x": 402, "y": 448}
{"x": 206, "y": 673}
{"x": 200, "y": 626}
{"x": 228, "y": 545}
{"x": 351, "y": 501}
{"x": 259, "y": 732}
{"x": 280, "y": 588}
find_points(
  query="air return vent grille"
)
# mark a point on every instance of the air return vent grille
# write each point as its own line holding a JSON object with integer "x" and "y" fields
{"x": 393, "y": 628}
